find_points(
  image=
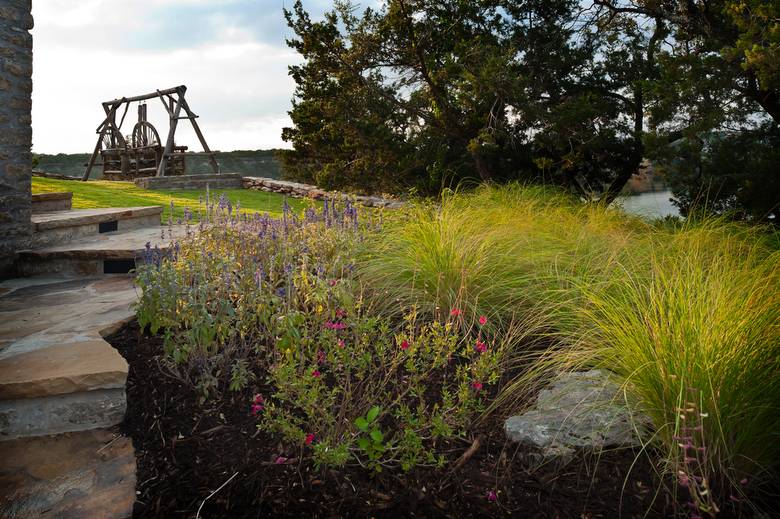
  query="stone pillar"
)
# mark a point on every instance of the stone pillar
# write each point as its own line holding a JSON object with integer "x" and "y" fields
{"x": 15, "y": 129}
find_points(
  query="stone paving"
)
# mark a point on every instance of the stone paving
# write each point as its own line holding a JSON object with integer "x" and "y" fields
{"x": 62, "y": 386}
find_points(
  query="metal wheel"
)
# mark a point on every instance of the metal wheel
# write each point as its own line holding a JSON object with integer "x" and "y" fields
{"x": 144, "y": 134}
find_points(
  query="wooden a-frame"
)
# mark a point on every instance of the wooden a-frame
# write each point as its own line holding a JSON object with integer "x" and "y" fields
{"x": 174, "y": 102}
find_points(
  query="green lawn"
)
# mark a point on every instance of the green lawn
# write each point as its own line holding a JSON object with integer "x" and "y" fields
{"x": 102, "y": 193}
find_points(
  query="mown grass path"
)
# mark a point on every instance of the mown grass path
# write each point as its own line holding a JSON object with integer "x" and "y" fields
{"x": 103, "y": 193}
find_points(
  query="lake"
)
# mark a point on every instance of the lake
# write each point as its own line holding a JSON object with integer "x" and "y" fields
{"x": 651, "y": 204}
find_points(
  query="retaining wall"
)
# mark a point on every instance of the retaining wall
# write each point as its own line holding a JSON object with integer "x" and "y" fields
{"x": 297, "y": 190}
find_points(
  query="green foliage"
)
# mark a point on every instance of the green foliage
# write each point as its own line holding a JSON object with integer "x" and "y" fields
{"x": 278, "y": 302}
{"x": 428, "y": 94}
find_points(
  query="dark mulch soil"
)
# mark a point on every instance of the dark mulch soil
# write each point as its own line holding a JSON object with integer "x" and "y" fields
{"x": 186, "y": 451}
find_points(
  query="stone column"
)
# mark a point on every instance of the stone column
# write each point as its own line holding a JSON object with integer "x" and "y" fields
{"x": 15, "y": 129}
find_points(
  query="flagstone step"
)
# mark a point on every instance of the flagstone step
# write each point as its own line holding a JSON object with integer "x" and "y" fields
{"x": 51, "y": 202}
{"x": 57, "y": 374}
{"x": 60, "y": 227}
{"x": 76, "y": 475}
{"x": 107, "y": 253}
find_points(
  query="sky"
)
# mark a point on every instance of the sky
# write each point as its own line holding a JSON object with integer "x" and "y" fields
{"x": 230, "y": 54}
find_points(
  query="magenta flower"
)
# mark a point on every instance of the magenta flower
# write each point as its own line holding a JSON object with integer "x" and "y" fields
{"x": 477, "y": 385}
{"x": 482, "y": 320}
{"x": 316, "y": 373}
{"x": 258, "y": 404}
{"x": 332, "y": 325}
{"x": 309, "y": 439}
{"x": 280, "y": 460}
{"x": 404, "y": 344}
{"x": 341, "y": 343}
{"x": 491, "y": 496}
{"x": 333, "y": 282}
{"x": 480, "y": 346}
{"x": 455, "y": 312}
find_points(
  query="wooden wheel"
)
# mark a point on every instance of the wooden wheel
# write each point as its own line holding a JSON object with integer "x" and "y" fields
{"x": 144, "y": 134}
{"x": 112, "y": 140}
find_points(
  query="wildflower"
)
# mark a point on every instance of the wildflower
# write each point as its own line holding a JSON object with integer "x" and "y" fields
{"x": 481, "y": 347}
{"x": 333, "y": 325}
{"x": 320, "y": 357}
{"x": 309, "y": 439}
{"x": 333, "y": 282}
{"x": 281, "y": 292}
{"x": 404, "y": 344}
{"x": 258, "y": 404}
{"x": 341, "y": 343}
{"x": 455, "y": 312}
{"x": 477, "y": 385}
{"x": 316, "y": 373}
{"x": 482, "y": 320}
{"x": 491, "y": 496}
{"x": 341, "y": 313}
{"x": 280, "y": 460}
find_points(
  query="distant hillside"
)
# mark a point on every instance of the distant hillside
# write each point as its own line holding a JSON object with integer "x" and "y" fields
{"x": 258, "y": 163}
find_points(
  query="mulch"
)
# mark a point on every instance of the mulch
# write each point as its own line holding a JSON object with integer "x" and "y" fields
{"x": 211, "y": 458}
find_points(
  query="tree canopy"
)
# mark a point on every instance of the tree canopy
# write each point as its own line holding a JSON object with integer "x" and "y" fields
{"x": 425, "y": 94}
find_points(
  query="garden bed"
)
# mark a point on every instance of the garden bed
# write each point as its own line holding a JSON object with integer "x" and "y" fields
{"x": 186, "y": 451}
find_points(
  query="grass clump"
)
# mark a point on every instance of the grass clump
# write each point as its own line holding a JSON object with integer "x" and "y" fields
{"x": 686, "y": 317}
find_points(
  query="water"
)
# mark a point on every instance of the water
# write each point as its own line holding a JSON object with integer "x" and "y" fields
{"x": 652, "y": 205}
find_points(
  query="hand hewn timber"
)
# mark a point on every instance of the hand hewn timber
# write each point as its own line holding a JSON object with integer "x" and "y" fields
{"x": 202, "y": 140}
{"x": 144, "y": 97}
{"x": 171, "y": 131}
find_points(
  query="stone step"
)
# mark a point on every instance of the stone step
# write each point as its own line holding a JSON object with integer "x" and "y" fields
{"x": 60, "y": 227}
{"x": 52, "y": 202}
{"x": 107, "y": 253}
{"x": 76, "y": 475}
{"x": 57, "y": 374}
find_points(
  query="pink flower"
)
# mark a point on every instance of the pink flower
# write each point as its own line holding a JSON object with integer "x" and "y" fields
{"x": 480, "y": 346}
{"x": 341, "y": 313}
{"x": 491, "y": 496}
{"x": 455, "y": 312}
{"x": 332, "y": 325}
{"x": 482, "y": 320}
{"x": 404, "y": 344}
{"x": 477, "y": 385}
{"x": 333, "y": 282}
{"x": 320, "y": 357}
{"x": 280, "y": 460}
{"x": 309, "y": 439}
{"x": 316, "y": 373}
{"x": 257, "y": 404}
{"x": 341, "y": 343}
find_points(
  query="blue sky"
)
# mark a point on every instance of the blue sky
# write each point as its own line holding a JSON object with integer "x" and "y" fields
{"x": 231, "y": 55}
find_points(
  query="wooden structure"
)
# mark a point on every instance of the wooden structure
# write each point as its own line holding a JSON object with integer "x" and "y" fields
{"x": 142, "y": 153}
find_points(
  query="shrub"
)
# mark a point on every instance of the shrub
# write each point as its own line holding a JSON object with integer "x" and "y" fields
{"x": 275, "y": 304}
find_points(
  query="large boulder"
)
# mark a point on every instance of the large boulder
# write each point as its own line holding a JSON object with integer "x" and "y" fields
{"x": 580, "y": 410}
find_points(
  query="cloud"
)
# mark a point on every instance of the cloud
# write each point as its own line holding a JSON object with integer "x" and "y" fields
{"x": 230, "y": 54}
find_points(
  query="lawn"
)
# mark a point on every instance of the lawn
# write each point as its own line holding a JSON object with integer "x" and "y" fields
{"x": 103, "y": 193}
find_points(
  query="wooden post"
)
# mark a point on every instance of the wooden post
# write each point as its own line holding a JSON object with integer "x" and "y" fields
{"x": 202, "y": 140}
{"x": 101, "y": 131}
{"x": 174, "y": 120}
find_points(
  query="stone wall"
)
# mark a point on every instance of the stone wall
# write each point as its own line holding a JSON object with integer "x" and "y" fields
{"x": 224, "y": 181}
{"x": 15, "y": 128}
{"x": 294, "y": 189}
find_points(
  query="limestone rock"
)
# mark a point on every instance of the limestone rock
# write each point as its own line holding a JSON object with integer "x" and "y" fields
{"x": 579, "y": 410}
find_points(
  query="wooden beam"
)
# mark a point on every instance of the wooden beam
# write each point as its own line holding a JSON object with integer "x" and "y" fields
{"x": 212, "y": 160}
{"x": 174, "y": 120}
{"x": 152, "y": 95}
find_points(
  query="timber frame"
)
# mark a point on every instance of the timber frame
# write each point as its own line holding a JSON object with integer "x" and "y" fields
{"x": 110, "y": 141}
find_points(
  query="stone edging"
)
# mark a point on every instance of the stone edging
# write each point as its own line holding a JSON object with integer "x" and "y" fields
{"x": 297, "y": 190}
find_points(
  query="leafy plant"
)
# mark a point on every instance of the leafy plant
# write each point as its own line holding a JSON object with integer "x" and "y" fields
{"x": 371, "y": 439}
